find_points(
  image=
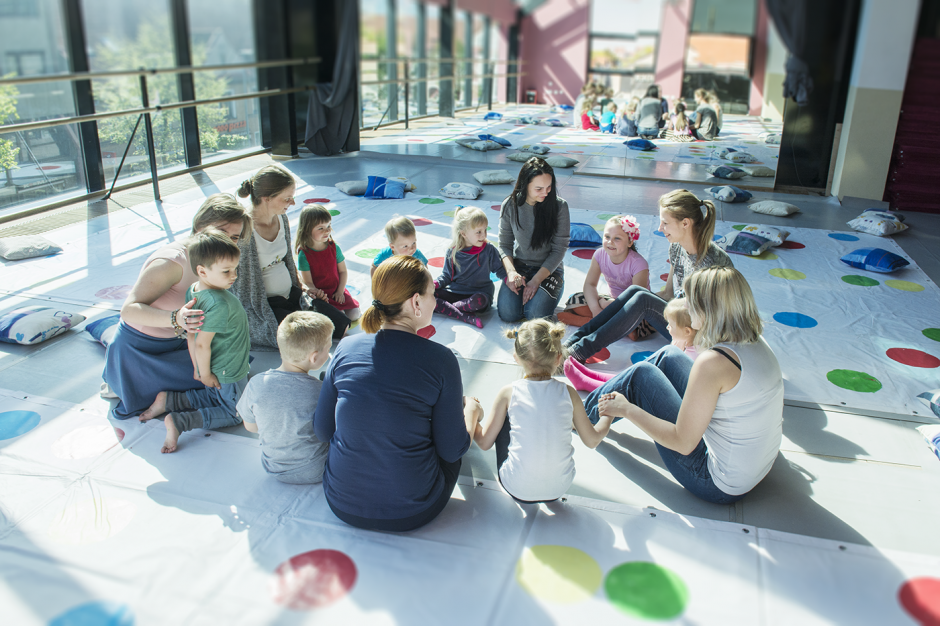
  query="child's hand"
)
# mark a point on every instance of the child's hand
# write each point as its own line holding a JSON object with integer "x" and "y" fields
{"x": 210, "y": 380}
{"x": 340, "y": 296}
{"x": 319, "y": 293}
{"x": 613, "y": 405}
{"x": 514, "y": 280}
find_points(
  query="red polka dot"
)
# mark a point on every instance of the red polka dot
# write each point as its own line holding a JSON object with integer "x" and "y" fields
{"x": 920, "y": 597}
{"x": 583, "y": 254}
{"x": 600, "y": 357}
{"x": 549, "y": 143}
{"x": 416, "y": 140}
{"x": 437, "y": 261}
{"x": 316, "y": 200}
{"x": 427, "y": 332}
{"x": 496, "y": 207}
{"x": 791, "y": 245}
{"x": 50, "y": 167}
{"x": 313, "y": 579}
{"x": 664, "y": 277}
{"x": 114, "y": 293}
{"x": 420, "y": 221}
{"x": 914, "y": 358}
{"x": 119, "y": 433}
{"x": 576, "y": 151}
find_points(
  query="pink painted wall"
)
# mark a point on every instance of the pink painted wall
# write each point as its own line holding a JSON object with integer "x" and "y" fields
{"x": 554, "y": 50}
{"x": 756, "y": 102}
{"x": 670, "y": 57}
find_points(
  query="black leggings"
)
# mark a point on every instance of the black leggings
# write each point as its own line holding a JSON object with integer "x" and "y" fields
{"x": 282, "y": 307}
{"x": 450, "y": 470}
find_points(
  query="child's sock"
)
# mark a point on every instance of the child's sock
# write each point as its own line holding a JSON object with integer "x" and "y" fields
{"x": 601, "y": 376}
{"x": 453, "y": 312}
{"x": 582, "y": 378}
{"x": 476, "y": 302}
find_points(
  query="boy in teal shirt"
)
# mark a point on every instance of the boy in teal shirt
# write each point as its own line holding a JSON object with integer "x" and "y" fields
{"x": 219, "y": 349}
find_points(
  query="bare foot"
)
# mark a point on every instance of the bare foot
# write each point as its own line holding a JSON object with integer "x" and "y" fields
{"x": 157, "y": 408}
{"x": 172, "y": 436}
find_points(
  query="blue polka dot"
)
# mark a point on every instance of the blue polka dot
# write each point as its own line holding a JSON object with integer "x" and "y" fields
{"x": 16, "y": 423}
{"x": 795, "y": 320}
{"x": 716, "y": 237}
{"x": 96, "y": 614}
{"x": 353, "y": 290}
{"x": 636, "y": 357}
{"x": 659, "y": 233}
{"x": 493, "y": 277}
{"x": 843, "y": 237}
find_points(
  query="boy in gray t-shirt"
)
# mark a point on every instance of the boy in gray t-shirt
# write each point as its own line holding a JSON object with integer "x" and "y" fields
{"x": 279, "y": 404}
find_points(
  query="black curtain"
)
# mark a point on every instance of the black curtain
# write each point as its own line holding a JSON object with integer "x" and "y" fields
{"x": 790, "y": 19}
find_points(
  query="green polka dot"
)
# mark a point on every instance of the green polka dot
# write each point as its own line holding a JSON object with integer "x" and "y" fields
{"x": 368, "y": 253}
{"x": 600, "y": 227}
{"x": 854, "y": 381}
{"x": 904, "y": 285}
{"x": 334, "y": 212}
{"x": 932, "y": 333}
{"x": 448, "y": 213}
{"x": 431, "y": 201}
{"x": 646, "y": 591}
{"x": 739, "y": 226}
{"x": 606, "y": 216}
{"x": 860, "y": 281}
{"x": 788, "y": 274}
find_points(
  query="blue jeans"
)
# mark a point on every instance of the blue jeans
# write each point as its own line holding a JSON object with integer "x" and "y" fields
{"x": 657, "y": 385}
{"x": 510, "y": 308}
{"x": 648, "y": 133}
{"x": 216, "y": 406}
{"x": 620, "y": 317}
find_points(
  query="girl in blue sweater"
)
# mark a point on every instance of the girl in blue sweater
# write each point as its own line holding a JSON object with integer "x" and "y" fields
{"x": 465, "y": 286}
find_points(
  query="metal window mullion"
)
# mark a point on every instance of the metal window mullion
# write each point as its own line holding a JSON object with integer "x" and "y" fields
{"x": 184, "y": 82}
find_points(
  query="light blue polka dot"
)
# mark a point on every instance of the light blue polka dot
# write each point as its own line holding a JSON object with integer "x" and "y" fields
{"x": 659, "y": 233}
{"x": 16, "y": 423}
{"x": 843, "y": 237}
{"x": 96, "y": 614}
{"x": 636, "y": 357}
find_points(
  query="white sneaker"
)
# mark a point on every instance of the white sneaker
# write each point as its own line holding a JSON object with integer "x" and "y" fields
{"x": 106, "y": 393}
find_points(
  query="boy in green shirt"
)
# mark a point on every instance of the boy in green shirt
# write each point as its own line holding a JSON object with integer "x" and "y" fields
{"x": 219, "y": 349}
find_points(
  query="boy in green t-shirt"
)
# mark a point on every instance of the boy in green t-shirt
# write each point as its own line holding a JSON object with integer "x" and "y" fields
{"x": 219, "y": 349}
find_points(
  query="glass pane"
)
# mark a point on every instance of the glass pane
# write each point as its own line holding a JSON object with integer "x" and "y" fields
{"x": 627, "y": 54}
{"x": 732, "y": 17}
{"x": 372, "y": 45}
{"x": 433, "y": 24}
{"x": 221, "y": 33}
{"x": 36, "y": 164}
{"x": 611, "y": 17}
{"x": 718, "y": 53}
{"x": 130, "y": 34}
{"x": 461, "y": 51}
{"x": 480, "y": 55}
{"x": 407, "y": 39}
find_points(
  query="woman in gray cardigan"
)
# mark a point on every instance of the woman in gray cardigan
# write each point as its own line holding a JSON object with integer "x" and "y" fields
{"x": 268, "y": 285}
{"x": 534, "y": 229}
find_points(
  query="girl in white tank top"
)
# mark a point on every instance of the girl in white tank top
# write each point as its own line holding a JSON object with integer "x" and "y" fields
{"x": 532, "y": 418}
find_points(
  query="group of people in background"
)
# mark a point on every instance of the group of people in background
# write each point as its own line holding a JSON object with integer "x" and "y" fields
{"x": 649, "y": 117}
{"x": 386, "y": 428}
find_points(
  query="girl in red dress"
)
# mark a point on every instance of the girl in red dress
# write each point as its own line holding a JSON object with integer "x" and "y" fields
{"x": 321, "y": 262}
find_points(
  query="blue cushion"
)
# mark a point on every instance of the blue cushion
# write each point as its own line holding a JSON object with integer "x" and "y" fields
{"x": 566, "y": 107}
{"x": 584, "y": 236}
{"x": 498, "y": 140}
{"x": 729, "y": 193}
{"x": 875, "y": 260}
{"x": 639, "y": 144}
{"x": 103, "y": 329}
{"x": 554, "y": 122}
{"x": 932, "y": 400}
{"x": 726, "y": 171}
{"x": 744, "y": 243}
{"x": 381, "y": 187}
{"x": 493, "y": 115}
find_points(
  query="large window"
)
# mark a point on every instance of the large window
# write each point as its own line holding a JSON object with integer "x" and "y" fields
{"x": 373, "y": 45}
{"x": 36, "y": 164}
{"x": 623, "y": 44}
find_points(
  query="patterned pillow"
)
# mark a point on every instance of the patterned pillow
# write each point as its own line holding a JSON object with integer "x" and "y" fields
{"x": 521, "y": 157}
{"x": 729, "y": 193}
{"x": 554, "y": 122}
{"x": 875, "y": 260}
{"x": 527, "y": 119}
{"x": 722, "y": 153}
{"x": 584, "y": 236}
{"x": 932, "y": 434}
{"x": 772, "y": 207}
{"x": 26, "y": 247}
{"x": 725, "y": 171}
{"x": 29, "y": 326}
{"x": 743, "y": 243}
{"x": 484, "y": 145}
{"x": 759, "y": 170}
{"x": 931, "y": 400}
{"x": 461, "y": 191}
{"x": 535, "y": 148}
{"x": 466, "y": 141}
{"x": 103, "y": 329}
{"x": 741, "y": 157}
{"x": 879, "y": 223}
{"x": 771, "y": 138}
{"x": 503, "y": 142}
{"x": 776, "y": 235}
{"x": 640, "y": 144}
{"x": 494, "y": 177}
{"x": 561, "y": 161}
{"x": 380, "y": 187}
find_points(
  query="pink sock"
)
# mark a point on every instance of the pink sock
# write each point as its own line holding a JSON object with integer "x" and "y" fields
{"x": 601, "y": 376}
{"x": 580, "y": 380}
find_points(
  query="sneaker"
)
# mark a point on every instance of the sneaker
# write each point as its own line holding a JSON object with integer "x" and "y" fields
{"x": 106, "y": 393}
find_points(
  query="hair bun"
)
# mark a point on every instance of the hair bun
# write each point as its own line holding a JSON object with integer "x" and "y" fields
{"x": 245, "y": 190}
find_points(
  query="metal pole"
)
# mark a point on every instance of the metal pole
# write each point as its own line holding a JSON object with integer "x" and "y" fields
{"x": 121, "y": 164}
{"x": 407, "y": 89}
{"x": 148, "y": 125}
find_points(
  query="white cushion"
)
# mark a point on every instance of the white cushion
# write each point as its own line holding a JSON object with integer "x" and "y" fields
{"x": 32, "y": 325}
{"x": 776, "y": 235}
{"x": 26, "y": 247}
{"x": 561, "y": 161}
{"x": 535, "y": 148}
{"x": 772, "y": 207}
{"x": 353, "y": 187}
{"x": 771, "y": 138}
{"x": 740, "y": 157}
{"x": 481, "y": 145}
{"x": 878, "y": 223}
{"x": 758, "y": 170}
{"x": 461, "y": 191}
{"x": 494, "y": 177}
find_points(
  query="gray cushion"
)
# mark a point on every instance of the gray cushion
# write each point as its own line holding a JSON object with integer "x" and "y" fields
{"x": 535, "y": 148}
{"x": 522, "y": 157}
{"x": 758, "y": 170}
{"x": 26, "y": 247}
{"x": 561, "y": 161}
{"x": 461, "y": 191}
{"x": 494, "y": 177}
{"x": 484, "y": 145}
{"x": 772, "y": 207}
{"x": 353, "y": 187}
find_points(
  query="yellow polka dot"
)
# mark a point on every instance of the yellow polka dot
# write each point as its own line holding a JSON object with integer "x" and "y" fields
{"x": 558, "y": 574}
{"x": 904, "y": 285}
{"x": 600, "y": 227}
{"x": 766, "y": 255}
{"x": 449, "y": 213}
{"x": 780, "y": 272}
{"x": 92, "y": 520}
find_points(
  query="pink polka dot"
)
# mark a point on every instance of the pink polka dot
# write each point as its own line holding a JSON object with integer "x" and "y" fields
{"x": 316, "y": 200}
{"x": 583, "y": 254}
{"x": 914, "y": 358}
{"x": 496, "y": 207}
{"x": 600, "y": 357}
{"x": 420, "y": 221}
{"x": 920, "y": 598}
{"x": 114, "y": 293}
{"x": 50, "y": 167}
{"x": 427, "y": 332}
{"x": 437, "y": 261}
{"x": 791, "y": 245}
{"x": 664, "y": 277}
{"x": 313, "y": 579}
